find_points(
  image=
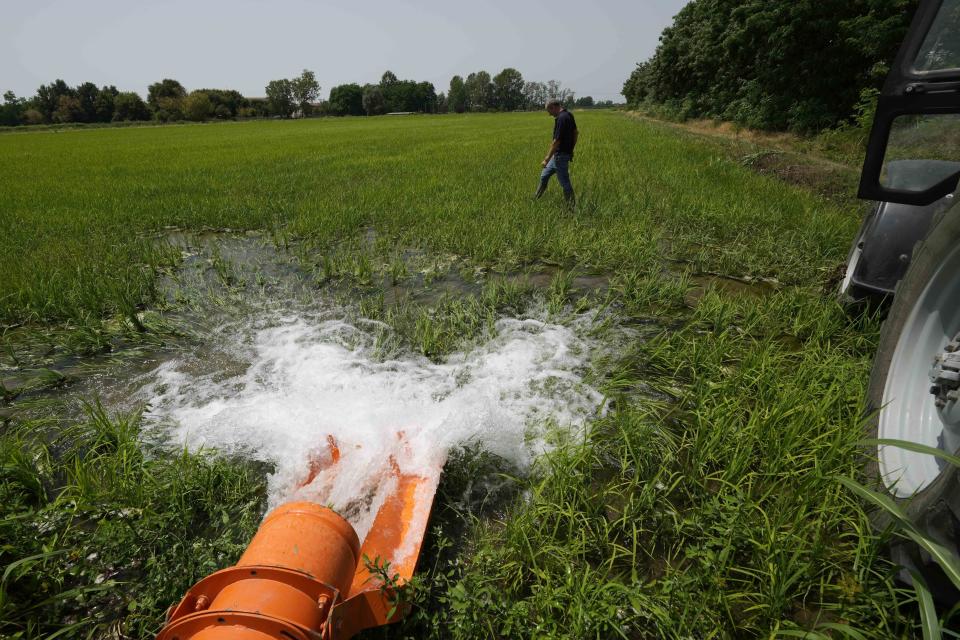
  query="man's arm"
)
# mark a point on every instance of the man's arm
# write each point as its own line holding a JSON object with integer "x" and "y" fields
{"x": 552, "y": 151}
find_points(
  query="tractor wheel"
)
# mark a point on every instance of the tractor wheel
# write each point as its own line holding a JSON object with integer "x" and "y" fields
{"x": 914, "y": 394}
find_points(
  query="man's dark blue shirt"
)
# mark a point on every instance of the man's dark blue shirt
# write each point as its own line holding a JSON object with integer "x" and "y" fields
{"x": 563, "y": 127}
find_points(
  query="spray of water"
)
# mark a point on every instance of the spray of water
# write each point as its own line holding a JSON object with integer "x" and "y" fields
{"x": 279, "y": 388}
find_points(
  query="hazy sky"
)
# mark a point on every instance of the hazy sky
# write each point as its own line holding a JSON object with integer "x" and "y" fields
{"x": 242, "y": 44}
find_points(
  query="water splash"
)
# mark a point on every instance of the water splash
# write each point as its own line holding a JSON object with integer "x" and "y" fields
{"x": 281, "y": 385}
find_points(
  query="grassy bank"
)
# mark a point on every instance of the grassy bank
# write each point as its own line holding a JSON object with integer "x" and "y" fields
{"x": 701, "y": 505}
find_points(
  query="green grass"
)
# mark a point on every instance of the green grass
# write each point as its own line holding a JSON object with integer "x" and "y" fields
{"x": 703, "y": 505}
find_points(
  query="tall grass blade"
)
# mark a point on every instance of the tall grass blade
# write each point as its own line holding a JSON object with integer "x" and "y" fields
{"x": 944, "y": 557}
{"x": 929, "y": 622}
{"x": 913, "y": 446}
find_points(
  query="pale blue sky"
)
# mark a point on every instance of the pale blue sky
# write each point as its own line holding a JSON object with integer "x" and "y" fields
{"x": 242, "y": 44}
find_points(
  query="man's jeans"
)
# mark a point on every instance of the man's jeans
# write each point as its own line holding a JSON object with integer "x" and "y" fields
{"x": 559, "y": 164}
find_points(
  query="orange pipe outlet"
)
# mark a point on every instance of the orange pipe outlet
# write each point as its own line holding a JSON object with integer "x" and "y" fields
{"x": 285, "y": 585}
{"x": 302, "y": 577}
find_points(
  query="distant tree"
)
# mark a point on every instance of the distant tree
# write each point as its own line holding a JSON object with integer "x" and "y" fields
{"x": 373, "y": 101}
{"x": 556, "y": 91}
{"x": 535, "y": 95}
{"x": 128, "y": 106}
{"x": 480, "y": 95}
{"x": 166, "y": 88}
{"x": 424, "y": 98}
{"x": 68, "y": 110}
{"x": 457, "y": 96}
{"x": 305, "y": 90}
{"x": 508, "y": 89}
{"x": 442, "y": 106}
{"x": 11, "y": 112}
{"x": 169, "y": 110}
{"x": 388, "y": 78}
{"x": 227, "y": 103}
{"x": 280, "y": 98}
{"x": 347, "y": 100}
{"x": 48, "y": 97}
{"x": 197, "y": 106}
{"x": 585, "y": 101}
{"x": 87, "y": 96}
{"x": 31, "y": 115}
{"x": 166, "y": 99}
{"x": 103, "y": 104}
{"x": 256, "y": 108}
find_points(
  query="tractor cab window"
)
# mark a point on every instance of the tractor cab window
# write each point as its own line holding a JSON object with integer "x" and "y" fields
{"x": 940, "y": 50}
{"x": 913, "y": 155}
{"x": 922, "y": 151}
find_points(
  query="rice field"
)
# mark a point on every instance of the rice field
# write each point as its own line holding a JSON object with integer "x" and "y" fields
{"x": 697, "y": 498}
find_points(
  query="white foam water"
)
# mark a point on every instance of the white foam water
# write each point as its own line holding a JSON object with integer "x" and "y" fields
{"x": 297, "y": 380}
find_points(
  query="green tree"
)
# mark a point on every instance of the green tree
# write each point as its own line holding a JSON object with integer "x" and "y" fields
{"x": 128, "y": 106}
{"x": 87, "y": 96}
{"x": 197, "y": 106}
{"x": 11, "y": 112}
{"x": 388, "y": 78}
{"x": 457, "y": 95}
{"x": 534, "y": 95}
{"x": 773, "y": 64}
{"x": 166, "y": 99}
{"x": 305, "y": 90}
{"x": 68, "y": 109}
{"x": 48, "y": 97}
{"x": 480, "y": 95}
{"x": 166, "y": 88}
{"x": 103, "y": 104}
{"x": 423, "y": 98}
{"x": 280, "y": 98}
{"x": 508, "y": 89}
{"x": 585, "y": 101}
{"x": 347, "y": 100}
{"x": 227, "y": 103}
{"x": 373, "y": 101}
{"x": 32, "y": 115}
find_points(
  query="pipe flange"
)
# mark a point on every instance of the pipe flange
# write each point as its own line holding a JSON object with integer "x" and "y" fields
{"x": 945, "y": 376}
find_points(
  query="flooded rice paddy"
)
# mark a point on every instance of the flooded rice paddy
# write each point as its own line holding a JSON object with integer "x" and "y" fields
{"x": 253, "y": 358}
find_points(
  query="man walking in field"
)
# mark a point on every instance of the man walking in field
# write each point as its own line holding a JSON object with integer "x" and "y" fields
{"x": 561, "y": 151}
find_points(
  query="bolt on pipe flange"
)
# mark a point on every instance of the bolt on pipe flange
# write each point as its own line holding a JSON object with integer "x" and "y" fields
{"x": 945, "y": 376}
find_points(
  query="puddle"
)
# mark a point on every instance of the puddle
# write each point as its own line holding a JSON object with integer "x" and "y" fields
{"x": 755, "y": 288}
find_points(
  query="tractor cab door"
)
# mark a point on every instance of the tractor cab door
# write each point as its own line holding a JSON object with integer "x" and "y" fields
{"x": 913, "y": 156}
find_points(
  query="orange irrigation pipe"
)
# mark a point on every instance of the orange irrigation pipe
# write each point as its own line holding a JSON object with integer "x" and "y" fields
{"x": 305, "y": 575}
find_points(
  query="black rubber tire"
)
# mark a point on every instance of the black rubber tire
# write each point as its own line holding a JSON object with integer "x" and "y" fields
{"x": 936, "y": 509}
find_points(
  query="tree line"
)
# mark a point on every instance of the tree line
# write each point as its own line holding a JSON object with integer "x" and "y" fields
{"x": 169, "y": 101}
{"x": 506, "y": 91}
{"x": 772, "y": 64}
